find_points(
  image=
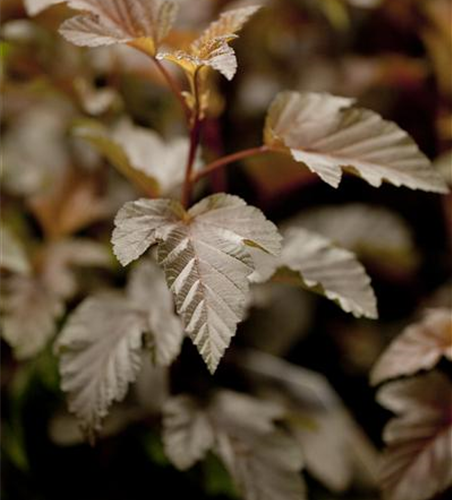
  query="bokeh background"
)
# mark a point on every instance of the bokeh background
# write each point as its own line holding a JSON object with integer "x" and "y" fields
{"x": 393, "y": 56}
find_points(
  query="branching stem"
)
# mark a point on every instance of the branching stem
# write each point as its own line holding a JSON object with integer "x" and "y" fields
{"x": 226, "y": 160}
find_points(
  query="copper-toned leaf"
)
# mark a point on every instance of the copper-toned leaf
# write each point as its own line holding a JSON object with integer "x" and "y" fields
{"x": 207, "y": 253}
{"x": 417, "y": 462}
{"x": 419, "y": 347}
{"x": 319, "y": 265}
{"x": 212, "y": 47}
{"x": 329, "y": 135}
{"x": 140, "y": 23}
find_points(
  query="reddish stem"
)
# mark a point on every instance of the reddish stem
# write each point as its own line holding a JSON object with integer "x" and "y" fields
{"x": 226, "y": 160}
{"x": 173, "y": 86}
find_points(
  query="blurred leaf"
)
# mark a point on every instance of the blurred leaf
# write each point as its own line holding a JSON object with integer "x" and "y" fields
{"x": 29, "y": 312}
{"x": 13, "y": 257}
{"x": 335, "y": 449}
{"x": 98, "y": 136}
{"x": 187, "y": 433}
{"x": 348, "y": 226}
{"x": 416, "y": 464}
{"x": 419, "y": 347}
{"x": 329, "y": 135}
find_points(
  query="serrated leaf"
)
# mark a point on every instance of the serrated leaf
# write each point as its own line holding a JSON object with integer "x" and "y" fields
{"x": 187, "y": 432}
{"x": 103, "y": 343}
{"x": 328, "y": 270}
{"x": 100, "y": 355}
{"x": 147, "y": 291}
{"x": 34, "y": 7}
{"x": 12, "y": 253}
{"x": 212, "y": 48}
{"x": 419, "y": 347}
{"x": 205, "y": 255}
{"x": 330, "y": 136}
{"x": 140, "y": 23}
{"x": 29, "y": 313}
{"x": 416, "y": 464}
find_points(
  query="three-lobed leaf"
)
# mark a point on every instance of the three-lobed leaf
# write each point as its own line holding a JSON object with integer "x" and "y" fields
{"x": 207, "y": 255}
{"x": 329, "y": 135}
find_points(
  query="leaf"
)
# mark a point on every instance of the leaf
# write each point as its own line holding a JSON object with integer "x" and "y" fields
{"x": 263, "y": 461}
{"x": 100, "y": 355}
{"x": 29, "y": 313}
{"x": 141, "y": 23}
{"x": 390, "y": 240}
{"x": 12, "y": 256}
{"x": 334, "y": 448}
{"x": 267, "y": 468}
{"x": 419, "y": 347}
{"x": 212, "y": 48}
{"x": 328, "y": 270}
{"x": 416, "y": 464}
{"x": 150, "y": 154}
{"x": 206, "y": 258}
{"x": 187, "y": 433}
{"x": 62, "y": 257}
{"x": 34, "y": 153}
{"x": 329, "y": 135}
{"x": 100, "y": 139}
{"x": 152, "y": 164}
{"x": 147, "y": 291}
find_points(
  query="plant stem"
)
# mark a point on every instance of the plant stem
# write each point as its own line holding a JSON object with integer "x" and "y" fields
{"x": 195, "y": 131}
{"x": 173, "y": 86}
{"x": 226, "y": 160}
